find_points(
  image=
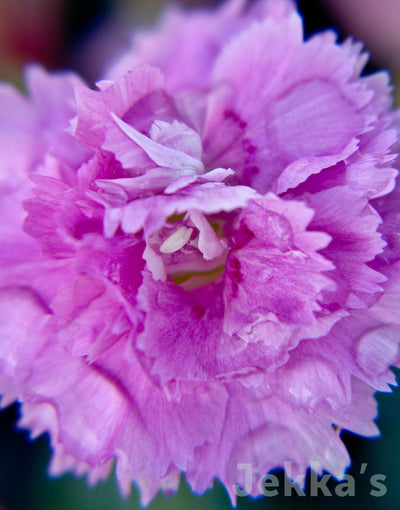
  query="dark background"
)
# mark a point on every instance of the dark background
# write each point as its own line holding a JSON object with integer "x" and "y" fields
{"x": 82, "y": 34}
{"x": 72, "y": 33}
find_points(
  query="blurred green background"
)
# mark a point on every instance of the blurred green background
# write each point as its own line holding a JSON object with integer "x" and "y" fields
{"x": 72, "y": 33}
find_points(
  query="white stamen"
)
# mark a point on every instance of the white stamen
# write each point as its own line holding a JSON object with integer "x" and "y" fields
{"x": 177, "y": 240}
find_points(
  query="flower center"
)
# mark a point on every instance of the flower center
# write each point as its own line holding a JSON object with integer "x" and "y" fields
{"x": 194, "y": 280}
{"x": 191, "y": 250}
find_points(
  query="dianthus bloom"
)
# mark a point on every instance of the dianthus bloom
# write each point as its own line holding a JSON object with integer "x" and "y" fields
{"x": 200, "y": 260}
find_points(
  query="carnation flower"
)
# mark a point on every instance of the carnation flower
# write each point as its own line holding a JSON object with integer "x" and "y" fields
{"x": 200, "y": 258}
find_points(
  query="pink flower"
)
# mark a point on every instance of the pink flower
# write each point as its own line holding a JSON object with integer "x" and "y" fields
{"x": 204, "y": 269}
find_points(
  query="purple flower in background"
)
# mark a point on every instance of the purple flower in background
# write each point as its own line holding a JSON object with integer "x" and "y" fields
{"x": 200, "y": 260}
